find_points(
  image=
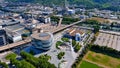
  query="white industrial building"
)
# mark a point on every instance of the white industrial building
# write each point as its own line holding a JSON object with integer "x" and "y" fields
{"x": 75, "y": 34}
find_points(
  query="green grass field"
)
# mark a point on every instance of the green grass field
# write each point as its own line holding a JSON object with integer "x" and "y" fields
{"x": 105, "y": 60}
{"x": 86, "y": 64}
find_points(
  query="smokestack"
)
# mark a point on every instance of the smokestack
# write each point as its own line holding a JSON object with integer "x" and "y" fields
{"x": 40, "y": 30}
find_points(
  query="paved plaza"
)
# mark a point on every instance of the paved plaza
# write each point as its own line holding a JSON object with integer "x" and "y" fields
{"x": 53, "y": 52}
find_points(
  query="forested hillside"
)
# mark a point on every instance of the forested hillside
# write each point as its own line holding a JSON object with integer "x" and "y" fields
{"x": 102, "y": 4}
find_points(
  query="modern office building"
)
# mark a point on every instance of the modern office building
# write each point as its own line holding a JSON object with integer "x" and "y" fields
{"x": 77, "y": 37}
{"x": 71, "y": 11}
{"x": 44, "y": 19}
{"x": 10, "y": 22}
{"x": 16, "y": 32}
{"x": 3, "y": 39}
{"x": 42, "y": 40}
{"x": 75, "y": 34}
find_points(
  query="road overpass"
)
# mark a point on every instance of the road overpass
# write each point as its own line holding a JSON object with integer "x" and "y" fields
{"x": 9, "y": 46}
{"x": 68, "y": 26}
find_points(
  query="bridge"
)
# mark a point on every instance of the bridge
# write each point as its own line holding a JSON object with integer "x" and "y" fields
{"x": 10, "y": 46}
{"x": 60, "y": 29}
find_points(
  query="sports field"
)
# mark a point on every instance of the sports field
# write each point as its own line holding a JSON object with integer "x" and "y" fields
{"x": 100, "y": 60}
{"x": 86, "y": 64}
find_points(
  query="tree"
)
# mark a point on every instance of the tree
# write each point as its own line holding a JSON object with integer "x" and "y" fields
{"x": 16, "y": 63}
{"x": 11, "y": 56}
{"x": 77, "y": 48}
{"x": 41, "y": 62}
{"x": 73, "y": 42}
{"x": 79, "y": 58}
{"x": 112, "y": 24}
{"x": 55, "y": 18}
{"x": 60, "y": 55}
{"x": 45, "y": 57}
{"x": 65, "y": 39}
{"x": 32, "y": 52}
{"x": 69, "y": 20}
{"x": 3, "y": 65}
{"x": 30, "y": 58}
{"x": 92, "y": 22}
{"x": 105, "y": 50}
{"x": 101, "y": 4}
{"x": 21, "y": 64}
{"x": 58, "y": 43}
{"x": 96, "y": 28}
{"x": 26, "y": 64}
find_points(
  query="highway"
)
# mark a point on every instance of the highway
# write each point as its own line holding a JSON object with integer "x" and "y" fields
{"x": 9, "y": 46}
{"x": 110, "y": 32}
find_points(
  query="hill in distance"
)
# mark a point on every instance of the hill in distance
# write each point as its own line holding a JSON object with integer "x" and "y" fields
{"x": 102, "y": 4}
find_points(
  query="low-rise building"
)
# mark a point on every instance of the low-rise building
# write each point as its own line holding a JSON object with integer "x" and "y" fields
{"x": 16, "y": 32}
{"x": 75, "y": 34}
{"x": 13, "y": 36}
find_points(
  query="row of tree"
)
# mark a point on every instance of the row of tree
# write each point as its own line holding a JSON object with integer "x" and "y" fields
{"x": 79, "y": 58}
{"x": 40, "y": 62}
{"x": 92, "y": 23}
{"x": 77, "y": 47}
{"x": 66, "y": 20}
{"x": 99, "y": 49}
{"x": 101, "y": 4}
{"x": 105, "y": 50}
{"x": 21, "y": 64}
{"x": 28, "y": 61}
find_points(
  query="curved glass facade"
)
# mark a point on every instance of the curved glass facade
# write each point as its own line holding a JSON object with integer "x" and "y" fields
{"x": 43, "y": 44}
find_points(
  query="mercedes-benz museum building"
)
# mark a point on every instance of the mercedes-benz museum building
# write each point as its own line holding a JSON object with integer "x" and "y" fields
{"x": 42, "y": 40}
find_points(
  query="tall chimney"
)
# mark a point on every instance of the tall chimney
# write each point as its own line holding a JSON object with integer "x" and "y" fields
{"x": 40, "y": 30}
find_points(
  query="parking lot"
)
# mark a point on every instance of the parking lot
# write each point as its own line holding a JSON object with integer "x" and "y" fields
{"x": 108, "y": 40}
